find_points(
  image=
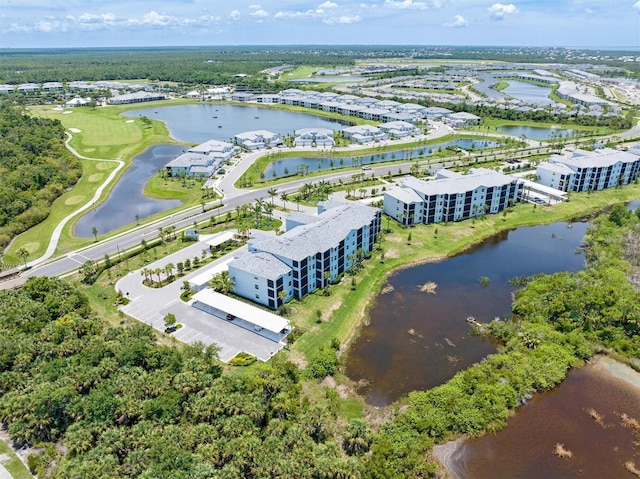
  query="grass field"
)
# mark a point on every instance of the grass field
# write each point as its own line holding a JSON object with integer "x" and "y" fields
{"x": 99, "y": 133}
{"x": 14, "y": 465}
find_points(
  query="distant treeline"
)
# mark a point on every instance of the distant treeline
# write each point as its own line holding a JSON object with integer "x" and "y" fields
{"x": 35, "y": 169}
{"x": 182, "y": 65}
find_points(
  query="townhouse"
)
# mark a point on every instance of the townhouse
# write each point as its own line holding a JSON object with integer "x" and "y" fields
{"x": 202, "y": 160}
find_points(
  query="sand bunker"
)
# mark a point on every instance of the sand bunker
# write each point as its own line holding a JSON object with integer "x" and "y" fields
{"x": 67, "y": 112}
{"x": 74, "y": 130}
{"x": 129, "y": 121}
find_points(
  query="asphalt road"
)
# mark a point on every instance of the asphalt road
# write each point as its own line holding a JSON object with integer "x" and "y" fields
{"x": 234, "y": 197}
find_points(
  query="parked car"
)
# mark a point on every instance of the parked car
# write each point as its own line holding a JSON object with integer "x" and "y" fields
{"x": 366, "y": 167}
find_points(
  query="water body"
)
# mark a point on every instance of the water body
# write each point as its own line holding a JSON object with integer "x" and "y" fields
{"x": 416, "y": 341}
{"x": 529, "y": 93}
{"x": 524, "y": 449}
{"x": 127, "y": 199}
{"x": 287, "y": 166}
{"x": 204, "y": 121}
{"x": 535, "y": 132}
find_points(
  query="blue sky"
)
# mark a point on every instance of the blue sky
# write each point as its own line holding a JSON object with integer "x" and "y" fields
{"x": 104, "y": 23}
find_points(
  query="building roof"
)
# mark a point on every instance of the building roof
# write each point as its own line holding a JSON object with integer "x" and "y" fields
{"x": 361, "y": 129}
{"x": 220, "y": 238}
{"x": 253, "y": 135}
{"x": 244, "y": 311}
{"x": 212, "y": 146}
{"x": 333, "y": 226}
{"x": 263, "y": 265}
{"x": 463, "y": 115}
{"x": 314, "y": 131}
{"x": 203, "y": 278}
{"x": 595, "y": 159}
{"x": 480, "y": 177}
{"x": 556, "y": 167}
{"x": 405, "y": 195}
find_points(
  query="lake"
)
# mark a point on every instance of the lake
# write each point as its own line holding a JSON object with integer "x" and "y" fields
{"x": 525, "y": 448}
{"x": 127, "y": 199}
{"x": 288, "y": 166}
{"x": 528, "y": 92}
{"x": 535, "y": 132}
{"x": 205, "y": 121}
{"x": 416, "y": 341}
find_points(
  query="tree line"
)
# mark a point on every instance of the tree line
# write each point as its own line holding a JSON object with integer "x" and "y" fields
{"x": 35, "y": 169}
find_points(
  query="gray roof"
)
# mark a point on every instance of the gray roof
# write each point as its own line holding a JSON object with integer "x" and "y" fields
{"x": 481, "y": 177}
{"x": 596, "y": 159}
{"x": 556, "y": 167}
{"x": 263, "y": 265}
{"x": 302, "y": 218}
{"x": 188, "y": 159}
{"x": 405, "y": 195}
{"x": 332, "y": 226}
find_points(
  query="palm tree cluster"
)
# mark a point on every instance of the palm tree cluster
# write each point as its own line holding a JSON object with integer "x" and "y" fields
{"x": 149, "y": 273}
{"x": 315, "y": 191}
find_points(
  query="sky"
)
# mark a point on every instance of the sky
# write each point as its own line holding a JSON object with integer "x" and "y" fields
{"x": 121, "y": 23}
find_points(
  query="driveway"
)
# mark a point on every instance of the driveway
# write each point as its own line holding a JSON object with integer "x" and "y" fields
{"x": 150, "y": 305}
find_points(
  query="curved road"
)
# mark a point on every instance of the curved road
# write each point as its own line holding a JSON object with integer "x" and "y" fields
{"x": 233, "y": 197}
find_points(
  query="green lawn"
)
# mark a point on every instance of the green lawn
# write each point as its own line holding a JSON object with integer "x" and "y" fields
{"x": 104, "y": 134}
{"x": 14, "y": 465}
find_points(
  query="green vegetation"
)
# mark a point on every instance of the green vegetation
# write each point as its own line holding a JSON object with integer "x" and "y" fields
{"x": 14, "y": 465}
{"x": 125, "y": 406}
{"x": 35, "y": 169}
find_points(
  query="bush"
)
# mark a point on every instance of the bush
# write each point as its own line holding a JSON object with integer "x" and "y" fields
{"x": 323, "y": 363}
{"x": 242, "y": 359}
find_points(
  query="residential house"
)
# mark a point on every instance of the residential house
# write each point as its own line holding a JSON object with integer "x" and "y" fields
{"x": 314, "y": 137}
{"x": 258, "y": 140}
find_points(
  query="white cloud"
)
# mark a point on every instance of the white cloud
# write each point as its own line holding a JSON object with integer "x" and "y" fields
{"x": 499, "y": 11}
{"x": 589, "y": 11}
{"x": 255, "y": 7}
{"x": 637, "y": 5}
{"x": 235, "y": 15}
{"x": 328, "y": 4}
{"x": 406, "y": 5}
{"x": 259, "y": 13}
{"x": 343, "y": 20}
{"x": 458, "y": 21}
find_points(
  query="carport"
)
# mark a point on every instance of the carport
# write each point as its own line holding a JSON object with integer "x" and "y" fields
{"x": 242, "y": 314}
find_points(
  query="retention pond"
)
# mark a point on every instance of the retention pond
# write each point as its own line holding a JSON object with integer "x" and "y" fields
{"x": 417, "y": 340}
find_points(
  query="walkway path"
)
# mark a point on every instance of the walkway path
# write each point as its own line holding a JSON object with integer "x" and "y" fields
{"x": 55, "y": 236}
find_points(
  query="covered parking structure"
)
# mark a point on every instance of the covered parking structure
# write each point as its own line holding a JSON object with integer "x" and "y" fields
{"x": 242, "y": 314}
{"x": 541, "y": 194}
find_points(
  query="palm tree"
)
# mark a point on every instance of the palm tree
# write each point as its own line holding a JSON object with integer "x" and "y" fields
{"x": 23, "y": 254}
{"x": 94, "y": 231}
{"x": 272, "y": 193}
{"x": 222, "y": 283}
{"x": 168, "y": 270}
{"x": 284, "y": 197}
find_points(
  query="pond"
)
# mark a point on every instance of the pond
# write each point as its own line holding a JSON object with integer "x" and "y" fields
{"x": 127, "y": 199}
{"x": 288, "y": 166}
{"x": 205, "y": 121}
{"x": 525, "y": 448}
{"x": 536, "y": 132}
{"x": 416, "y": 340}
{"x": 529, "y": 93}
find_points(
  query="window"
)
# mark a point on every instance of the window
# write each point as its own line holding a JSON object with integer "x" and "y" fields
{"x": 257, "y": 296}
{"x": 256, "y": 286}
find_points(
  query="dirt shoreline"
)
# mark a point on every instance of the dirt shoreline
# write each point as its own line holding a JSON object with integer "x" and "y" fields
{"x": 445, "y": 453}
